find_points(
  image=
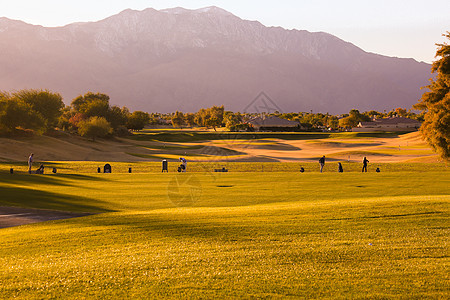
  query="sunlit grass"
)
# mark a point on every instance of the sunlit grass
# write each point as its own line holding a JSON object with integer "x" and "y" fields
{"x": 262, "y": 230}
{"x": 90, "y": 167}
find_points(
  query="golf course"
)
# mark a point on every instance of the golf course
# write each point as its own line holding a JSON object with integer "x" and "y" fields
{"x": 260, "y": 230}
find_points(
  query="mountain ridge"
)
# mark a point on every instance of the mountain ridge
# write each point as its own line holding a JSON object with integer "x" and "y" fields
{"x": 180, "y": 59}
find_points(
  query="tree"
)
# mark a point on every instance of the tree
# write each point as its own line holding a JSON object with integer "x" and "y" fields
{"x": 75, "y": 120}
{"x": 15, "y": 114}
{"x": 401, "y": 112}
{"x": 232, "y": 120}
{"x": 137, "y": 120}
{"x": 189, "y": 118}
{"x": 201, "y": 116}
{"x": 95, "y": 108}
{"x": 216, "y": 117}
{"x": 81, "y": 101}
{"x": 49, "y": 105}
{"x": 373, "y": 114}
{"x": 353, "y": 119}
{"x": 97, "y": 105}
{"x": 178, "y": 119}
{"x": 94, "y": 127}
{"x": 118, "y": 116}
{"x": 333, "y": 122}
{"x": 436, "y": 103}
{"x": 63, "y": 120}
{"x": 348, "y": 122}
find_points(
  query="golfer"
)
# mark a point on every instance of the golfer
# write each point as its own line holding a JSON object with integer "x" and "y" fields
{"x": 322, "y": 163}
{"x": 365, "y": 162}
{"x": 30, "y": 162}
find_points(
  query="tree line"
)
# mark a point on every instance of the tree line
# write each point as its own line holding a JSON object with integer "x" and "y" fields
{"x": 93, "y": 116}
{"x": 216, "y": 116}
{"x": 42, "y": 111}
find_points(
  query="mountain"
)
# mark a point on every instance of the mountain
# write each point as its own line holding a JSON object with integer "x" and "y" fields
{"x": 179, "y": 59}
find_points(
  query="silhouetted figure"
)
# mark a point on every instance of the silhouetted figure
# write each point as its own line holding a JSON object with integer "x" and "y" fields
{"x": 378, "y": 170}
{"x": 302, "y": 170}
{"x": 365, "y": 162}
{"x": 40, "y": 170}
{"x": 322, "y": 163}
{"x": 340, "y": 168}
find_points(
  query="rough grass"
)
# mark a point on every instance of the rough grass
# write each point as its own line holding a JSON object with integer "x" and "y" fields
{"x": 242, "y": 235}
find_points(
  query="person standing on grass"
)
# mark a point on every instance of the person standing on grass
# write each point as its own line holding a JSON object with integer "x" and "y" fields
{"x": 340, "y": 168}
{"x": 322, "y": 163}
{"x": 365, "y": 162}
{"x": 30, "y": 162}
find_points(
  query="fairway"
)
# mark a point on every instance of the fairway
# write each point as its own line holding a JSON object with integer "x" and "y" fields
{"x": 229, "y": 235}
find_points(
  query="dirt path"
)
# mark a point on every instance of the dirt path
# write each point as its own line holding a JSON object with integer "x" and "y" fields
{"x": 16, "y": 216}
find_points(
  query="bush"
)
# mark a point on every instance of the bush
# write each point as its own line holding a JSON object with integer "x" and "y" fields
{"x": 122, "y": 131}
{"x": 94, "y": 127}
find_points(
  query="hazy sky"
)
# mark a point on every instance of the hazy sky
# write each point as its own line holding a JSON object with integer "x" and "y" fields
{"x": 402, "y": 28}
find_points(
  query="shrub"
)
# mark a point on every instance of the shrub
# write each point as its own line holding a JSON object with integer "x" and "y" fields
{"x": 94, "y": 127}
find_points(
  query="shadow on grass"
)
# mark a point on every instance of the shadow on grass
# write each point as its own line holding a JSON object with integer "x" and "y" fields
{"x": 246, "y": 226}
{"x": 28, "y": 198}
{"x": 148, "y": 225}
{"x": 50, "y": 179}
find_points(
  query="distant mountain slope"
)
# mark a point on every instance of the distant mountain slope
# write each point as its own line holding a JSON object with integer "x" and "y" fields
{"x": 178, "y": 59}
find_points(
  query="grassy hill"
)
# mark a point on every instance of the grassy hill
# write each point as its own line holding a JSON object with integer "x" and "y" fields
{"x": 155, "y": 145}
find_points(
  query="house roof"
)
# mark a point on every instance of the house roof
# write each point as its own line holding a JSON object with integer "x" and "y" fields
{"x": 272, "y": 121}
{"x": 397, "y": 120}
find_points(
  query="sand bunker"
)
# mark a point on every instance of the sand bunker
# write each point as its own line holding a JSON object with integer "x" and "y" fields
{"x": 16, "y": 216}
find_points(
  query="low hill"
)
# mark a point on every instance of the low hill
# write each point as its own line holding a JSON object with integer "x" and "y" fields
{"x": 222, "y": 147}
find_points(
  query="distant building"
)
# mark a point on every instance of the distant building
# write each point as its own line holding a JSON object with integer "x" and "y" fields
{"x": 273, "y": 123}
{"x": 164, "y": 121}
{"x": 389, "y": 124}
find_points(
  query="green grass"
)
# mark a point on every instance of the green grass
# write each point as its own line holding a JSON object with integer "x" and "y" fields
{"x": 245, "y": 234}
{"x": 90, "y": 168}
